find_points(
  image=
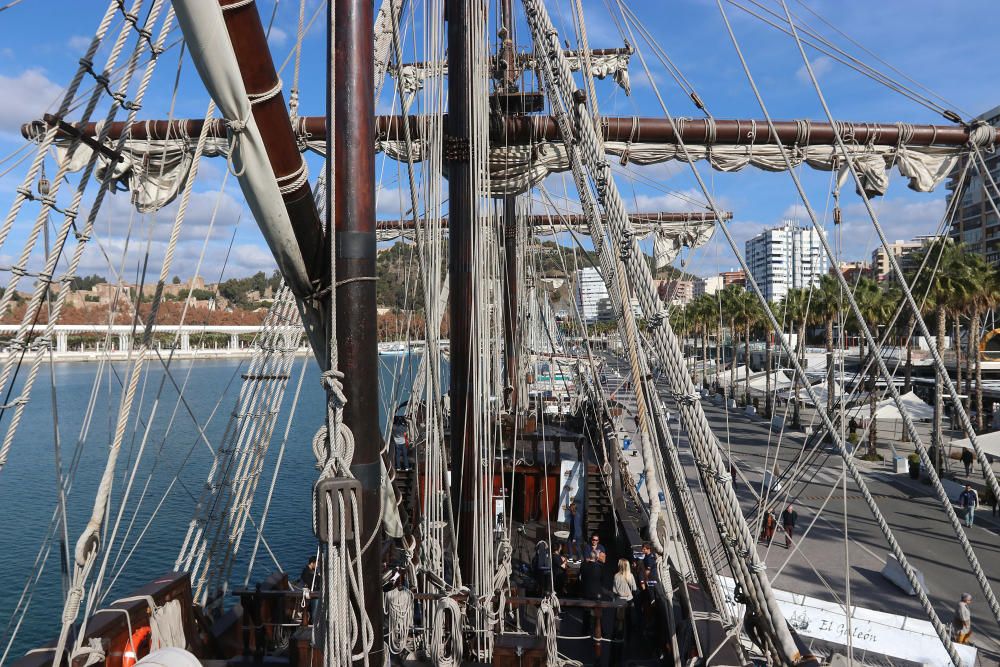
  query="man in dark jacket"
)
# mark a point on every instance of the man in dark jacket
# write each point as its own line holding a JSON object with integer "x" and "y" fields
{"x": 788, "y": 519}
{"x": 311, "y": 580}
{"x": 592, "y": 587}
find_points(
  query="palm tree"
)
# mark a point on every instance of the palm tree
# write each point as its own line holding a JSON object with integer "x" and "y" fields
{"x": 750, "y": 314}
{"x": 827, "y": 306}
{"x": 944, "y": 283}
{"x": 875, "y": 308}
{"x": 730, "y": 298}
{"x": 796, "y": 306}
{"x": 983, "y": 285}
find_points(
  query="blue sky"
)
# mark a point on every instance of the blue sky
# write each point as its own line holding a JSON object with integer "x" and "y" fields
{"x": 947, "y": 47}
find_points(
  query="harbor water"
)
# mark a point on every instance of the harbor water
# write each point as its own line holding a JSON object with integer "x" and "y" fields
{"x": 183, "y": 418}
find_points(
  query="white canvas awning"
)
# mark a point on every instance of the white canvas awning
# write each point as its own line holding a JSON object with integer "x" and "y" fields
{"x": 726, "y": 375}
{"x": 821, "y": 390}
{"x": 780, "y": 380}
{"x": 988, "y": 442}
{"x": 886, "y": 409}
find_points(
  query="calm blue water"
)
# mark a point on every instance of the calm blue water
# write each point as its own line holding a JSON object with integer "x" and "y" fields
{"x": 174, "y": 450}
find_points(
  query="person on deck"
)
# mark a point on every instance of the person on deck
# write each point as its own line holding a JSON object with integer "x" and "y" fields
{"x": 624, "y": 590}
{"x": 968, "y": 501}
{"x": 592, "y": 587}
{"x": 961, "y": 622}
{"x": 559, "y": 567}
{"x": 788, "y": 519}
{"x": 572, "y": 542}
{"x": 596, "y": 549}
{"x": 541, "y": 566}
{"x": 400, "y": 443}
{"x": 967, "y": 460}
{"x": 311, "y": 580}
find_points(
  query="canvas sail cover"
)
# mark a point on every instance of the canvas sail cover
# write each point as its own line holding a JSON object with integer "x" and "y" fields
{"x": 155, "y": 171}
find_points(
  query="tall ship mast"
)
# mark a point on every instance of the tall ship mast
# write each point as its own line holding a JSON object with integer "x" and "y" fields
{"x": 549, "y": 455}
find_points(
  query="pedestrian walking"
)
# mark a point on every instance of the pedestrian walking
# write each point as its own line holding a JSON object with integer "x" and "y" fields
{"x": 967, "y": 460}
{"x": 961, "y": 622}
{"x": 767, "y": 530}
{"x": 788, "y": 519}
{"x": 852, "y": 426}
{"x": 968, "y": 501}
{"x": 990, "y": 499}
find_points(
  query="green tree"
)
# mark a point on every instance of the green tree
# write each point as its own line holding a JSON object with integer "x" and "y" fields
{"x": 827, "y": 307}
{"x": 942, "y": 285}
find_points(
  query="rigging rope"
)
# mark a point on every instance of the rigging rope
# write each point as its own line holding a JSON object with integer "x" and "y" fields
{"x": 736, "y": 534}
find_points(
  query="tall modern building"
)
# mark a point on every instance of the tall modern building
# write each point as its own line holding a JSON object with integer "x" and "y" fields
{"x": 975, "y": 222}
{"x": 785, "y": 257}
{"x": 592, "y": 296}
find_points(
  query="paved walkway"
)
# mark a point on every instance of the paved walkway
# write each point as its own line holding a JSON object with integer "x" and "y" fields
{"x": 821, "y": 562}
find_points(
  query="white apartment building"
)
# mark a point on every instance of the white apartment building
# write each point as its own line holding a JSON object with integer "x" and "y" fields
{"x": 592, "y": 298}
{"x": 902, "y": 251}
{"x": 785, "y": 257}
{"x": 709, "y": 285}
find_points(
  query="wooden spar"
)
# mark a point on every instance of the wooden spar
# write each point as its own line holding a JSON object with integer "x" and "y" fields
{"x": 520, "y": 130}
{"x": 575, "y": 220}
{"x": 464, "y": 467}
{"x": 351, "y": 84}
{"x": 522, "y": 59}
{"x": 246, "y": 32}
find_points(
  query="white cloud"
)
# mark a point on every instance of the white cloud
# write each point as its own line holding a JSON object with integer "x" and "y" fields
{"x": 25, "y": 97}
{"x": 277, "y": 37}
{"x": 820, "y": 66}
{"x": 900, "y": 218}
{"x": 247, "y": 259}
{"x": 79, "y": 43}
{"x": 796, "y": 213}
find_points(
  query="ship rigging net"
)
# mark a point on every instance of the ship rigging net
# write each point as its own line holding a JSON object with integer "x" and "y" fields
{"x": 507, "y": 171}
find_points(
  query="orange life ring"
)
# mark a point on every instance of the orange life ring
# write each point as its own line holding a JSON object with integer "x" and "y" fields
{"x": 134, "y": 649}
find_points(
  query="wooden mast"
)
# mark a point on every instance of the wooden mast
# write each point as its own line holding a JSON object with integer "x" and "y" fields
{"x": 458, "y": 129}
{"x": 509, "y": 234}
{"x": 350, "y": 50}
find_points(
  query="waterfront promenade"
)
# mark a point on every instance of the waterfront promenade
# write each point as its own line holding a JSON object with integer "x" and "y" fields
{"x": 96, "y": 342}
{"x": 822, "y": 560}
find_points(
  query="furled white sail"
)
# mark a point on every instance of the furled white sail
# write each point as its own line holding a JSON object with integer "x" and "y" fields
{"x": 208, "y": 41}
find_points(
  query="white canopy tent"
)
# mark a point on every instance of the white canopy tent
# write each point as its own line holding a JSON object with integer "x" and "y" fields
{"x": 988, "y": 442}
{"x": 780, "y": 380}
{"x": 886, "y": 409}
{"x": 821, "y": 390}
{"x": 726, "y": 375}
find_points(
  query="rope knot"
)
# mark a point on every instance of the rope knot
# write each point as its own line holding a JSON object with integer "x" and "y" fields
{"x": 982, "y": 134}
{"x": 685, "y": 398}
{"x": 332, "y": 381}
